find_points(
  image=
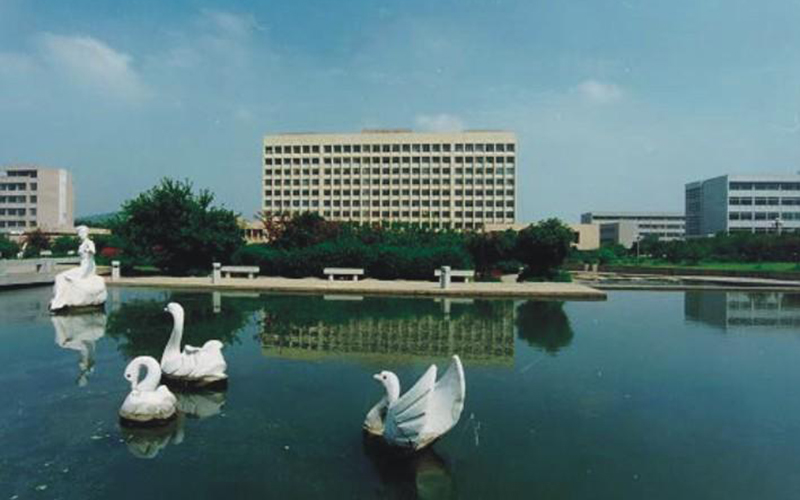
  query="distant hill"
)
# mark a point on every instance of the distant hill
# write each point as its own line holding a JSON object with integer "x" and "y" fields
{"x": 95, "y": 220}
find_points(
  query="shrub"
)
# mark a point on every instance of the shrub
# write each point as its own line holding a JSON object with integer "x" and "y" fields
{"x": 8, "y": 249}
{"x": 543, "y": 247}
{"x": 64, "y": 244}
{"x": 35, "y": 242}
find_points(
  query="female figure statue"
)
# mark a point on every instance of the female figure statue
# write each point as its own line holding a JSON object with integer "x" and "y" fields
{"x": 80, "y": 286}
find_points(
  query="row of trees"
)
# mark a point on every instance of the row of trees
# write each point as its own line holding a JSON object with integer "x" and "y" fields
{"x": 181, "y": 232}
{"x": 34, "y": 242}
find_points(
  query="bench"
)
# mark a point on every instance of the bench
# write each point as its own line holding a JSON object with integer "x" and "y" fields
{"x": 250, "y": 271}
{"x": 455, "y": 273}
{"x": 331, "y": 272}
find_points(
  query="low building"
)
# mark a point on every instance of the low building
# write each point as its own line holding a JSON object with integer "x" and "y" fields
{"x": 625, "y": 228}
{"x": 586, "y": 236}
{"x": 33, "y": 197}
{"x": 743, "y": 203}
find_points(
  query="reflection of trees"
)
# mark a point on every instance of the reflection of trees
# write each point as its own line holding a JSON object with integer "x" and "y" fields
{"x": 142, "y": 327}
{"x": 383, "y": 328}
{"x": 419, "y": 475}
{"x": 545, "y": 325}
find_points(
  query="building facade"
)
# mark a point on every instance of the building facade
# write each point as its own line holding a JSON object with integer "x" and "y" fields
{"x": 625, "y": 228}
{"x": 32, "y": 197}
{"x": 743, "y": 203}
{"x": 462, "y": 180}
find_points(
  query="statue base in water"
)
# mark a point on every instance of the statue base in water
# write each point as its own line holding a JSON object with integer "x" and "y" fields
{"x": 192, "y": 385}
{"x": 73, "y": 292}
{"x": 145, "y": 424}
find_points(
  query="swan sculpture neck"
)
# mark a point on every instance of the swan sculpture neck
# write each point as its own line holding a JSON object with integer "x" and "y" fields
{"x": 174, "y": 344}
{"x": 391, "y": 383}
{"x": 152, "y": 377}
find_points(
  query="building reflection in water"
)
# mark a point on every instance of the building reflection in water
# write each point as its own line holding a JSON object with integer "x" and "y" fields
{"x": 400, "y": 329}
{"x": 743, "y": 309}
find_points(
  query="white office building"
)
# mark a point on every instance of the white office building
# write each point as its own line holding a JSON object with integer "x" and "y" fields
{"x": 743, "y": 203}
{"x": 463, "y": 180}
{"x": 33, "y": 197}
{"x": 625, "y": 228}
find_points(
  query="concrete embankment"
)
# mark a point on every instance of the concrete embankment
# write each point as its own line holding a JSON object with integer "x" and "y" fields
{"x": 563, "y": 291}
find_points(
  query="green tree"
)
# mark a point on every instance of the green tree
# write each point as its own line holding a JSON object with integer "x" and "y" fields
{"x": 8, "y": 248}
{"x": 542, "y": 247}
{"x": 35, "y": 242}
{"x": 64, "y": 244}
{"x": 176, "y": 230}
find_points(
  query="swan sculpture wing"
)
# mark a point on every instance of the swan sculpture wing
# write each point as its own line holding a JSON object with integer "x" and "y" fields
{"x": 428, "y": 409}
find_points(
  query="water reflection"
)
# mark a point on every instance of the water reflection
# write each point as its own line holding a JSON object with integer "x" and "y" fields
{"x": 147, "y": 443}
{"x": 80, "y": 332}
{"x": 379, "y": 328}
{"x": 141, "y": 326}
{"x": 743, "y": 309}
{"x": 544, "y": 325}
{"x": 423, "y": 475}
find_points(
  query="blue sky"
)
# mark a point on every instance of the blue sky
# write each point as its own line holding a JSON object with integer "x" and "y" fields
{"x": 617, "y": 104}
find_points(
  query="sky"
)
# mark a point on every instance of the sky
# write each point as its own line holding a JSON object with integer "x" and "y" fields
{"x": 616, "y": 104}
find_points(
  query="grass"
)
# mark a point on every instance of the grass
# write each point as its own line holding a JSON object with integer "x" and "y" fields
{"x": 718, "y": 266}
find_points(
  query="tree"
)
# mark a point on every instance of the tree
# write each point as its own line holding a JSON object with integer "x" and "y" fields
{"x": 176, "y": 230}
{"x": 542, "y": 247}
{"x": 8, "y": 248}
{"x": 307, "y": 229}
{"x": 64, "y": 244}
{"x": 35, "y": 242}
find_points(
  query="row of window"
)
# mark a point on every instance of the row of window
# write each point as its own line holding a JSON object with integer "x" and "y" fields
{"x": 392, "y": 148}
{"x": 386, "y": 182}
{"x": 389, "y": 203}
{"x": 16, "y": 199}
{"x": 17, "y": 223}
{"x": 764, "y": 216}
{"x": 336, "y": 172}
{"x": 673, "y": 227}
{"x": 765, "y": 200}
{"x": 765, "y": 186}
{"x": 413, "y": 214}
{"x": 392, "y": 192}
{"x": 16, "y": 186}
{"x": 761, "y": 230}
{"x": 388, "y": 161}
{"x": 16, "y": 211}
{"x": 22, "y": 173}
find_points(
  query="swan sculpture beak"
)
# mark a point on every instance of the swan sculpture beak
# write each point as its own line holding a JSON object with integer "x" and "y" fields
{"x": 377, "y": 377}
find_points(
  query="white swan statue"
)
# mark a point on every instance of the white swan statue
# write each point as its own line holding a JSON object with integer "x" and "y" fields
{"x": 196, "y": 366}
{"x": 148, "y": 403}
{"x": 423, "y": 414}
{"x": 79, "y": 286}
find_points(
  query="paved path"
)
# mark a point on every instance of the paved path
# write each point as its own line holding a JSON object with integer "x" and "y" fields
{"x": 375, "y": 287}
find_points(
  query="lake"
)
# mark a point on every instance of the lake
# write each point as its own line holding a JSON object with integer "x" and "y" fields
{"x": 645, "y": 395}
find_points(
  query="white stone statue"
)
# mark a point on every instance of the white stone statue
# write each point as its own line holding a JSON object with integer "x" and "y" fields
{"x": 424, "y": 413}
{"x": 79, "y": 286}
{"x": 80, "y": 332}
{"x": 148, "y": 403}
{"x": 194, "y": 366}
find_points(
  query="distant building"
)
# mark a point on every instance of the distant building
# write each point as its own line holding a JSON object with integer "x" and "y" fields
{"x": 462, "y": 180}
{"x": 32, "y": 197}
{"x": 743, "y": 203}
{"x": 586, "y": 236}
{"x": 625, "y": 228}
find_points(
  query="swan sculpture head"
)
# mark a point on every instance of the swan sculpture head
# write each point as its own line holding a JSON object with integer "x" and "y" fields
{"x": 132, "y": 374}
{"x": 152, "y": 377}
{"x": 391, "y": 383}
{"x": 176, "y": 310}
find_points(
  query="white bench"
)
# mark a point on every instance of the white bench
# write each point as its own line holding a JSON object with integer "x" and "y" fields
{"x": 332, "y": 272}
{"x": 250, "y": 271}
{"x": 455, "y": 273}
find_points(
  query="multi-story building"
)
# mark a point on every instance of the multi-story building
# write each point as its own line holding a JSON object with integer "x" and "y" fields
{"x": 32, "y": 197}
{"x": 462, "y": 180}
{"x": 625, "y": 228}
{"x": 743, "y": 203}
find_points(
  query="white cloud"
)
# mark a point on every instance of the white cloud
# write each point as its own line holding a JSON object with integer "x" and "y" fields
{"x": 91, "y": 63}
{"x": 598, "y": 92}
{"x": 439, "y": 123}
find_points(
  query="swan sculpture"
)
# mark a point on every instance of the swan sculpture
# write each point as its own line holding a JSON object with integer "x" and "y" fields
{"x": 148, "y": 403}
{"x": 423, "y": 414}
{"x": 80, "y": 286}
{"x": 197, "y": 366}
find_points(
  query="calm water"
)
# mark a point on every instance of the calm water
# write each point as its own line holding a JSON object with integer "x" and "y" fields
{"x": 647, "y": 395}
